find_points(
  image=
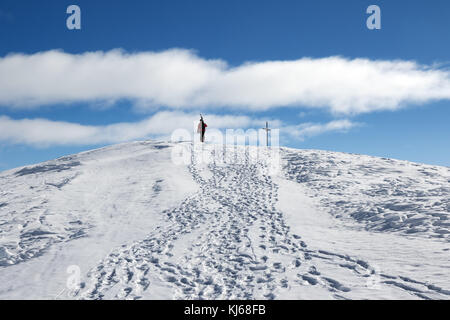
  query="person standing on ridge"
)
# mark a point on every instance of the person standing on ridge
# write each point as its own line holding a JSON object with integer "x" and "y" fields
{"x": 201, "y": 129}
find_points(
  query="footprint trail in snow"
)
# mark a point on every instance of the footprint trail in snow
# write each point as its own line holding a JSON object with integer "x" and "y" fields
{"x": 229, "y": 241}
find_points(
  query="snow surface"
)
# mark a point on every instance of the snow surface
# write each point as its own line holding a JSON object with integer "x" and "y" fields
{"x": 136, "y": 225}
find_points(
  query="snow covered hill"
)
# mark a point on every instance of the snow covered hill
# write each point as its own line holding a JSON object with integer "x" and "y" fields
{"x": 127, "y": 222}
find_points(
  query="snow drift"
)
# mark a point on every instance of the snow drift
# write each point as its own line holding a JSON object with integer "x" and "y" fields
{"x": 126, "y": 222}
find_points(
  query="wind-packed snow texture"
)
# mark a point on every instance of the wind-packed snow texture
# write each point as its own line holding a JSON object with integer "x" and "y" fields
{"x": 127, "y": 222}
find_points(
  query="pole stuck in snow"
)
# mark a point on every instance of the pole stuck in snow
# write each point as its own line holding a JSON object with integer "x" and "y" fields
{"x": 267, "y": 133}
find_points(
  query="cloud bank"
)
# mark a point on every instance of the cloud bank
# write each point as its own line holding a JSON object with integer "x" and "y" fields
{"x": 180, "y": 79}
{"x": 307, "y": 130}
{"x": 47, "y": 133}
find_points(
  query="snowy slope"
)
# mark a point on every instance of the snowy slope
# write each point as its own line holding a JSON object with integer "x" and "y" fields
{"x": 135, "y": 225}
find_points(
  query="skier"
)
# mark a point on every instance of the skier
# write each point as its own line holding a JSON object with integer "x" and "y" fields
{"x": 201, "y": 129}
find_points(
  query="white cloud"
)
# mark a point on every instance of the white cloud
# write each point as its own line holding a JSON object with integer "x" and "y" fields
{"x": 181, "y": 79}
{"x": 44, "y": 133}
{"x": 306, "y": 130}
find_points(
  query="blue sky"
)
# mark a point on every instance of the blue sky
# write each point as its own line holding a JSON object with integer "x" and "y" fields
{"x": 238, "y": 32}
